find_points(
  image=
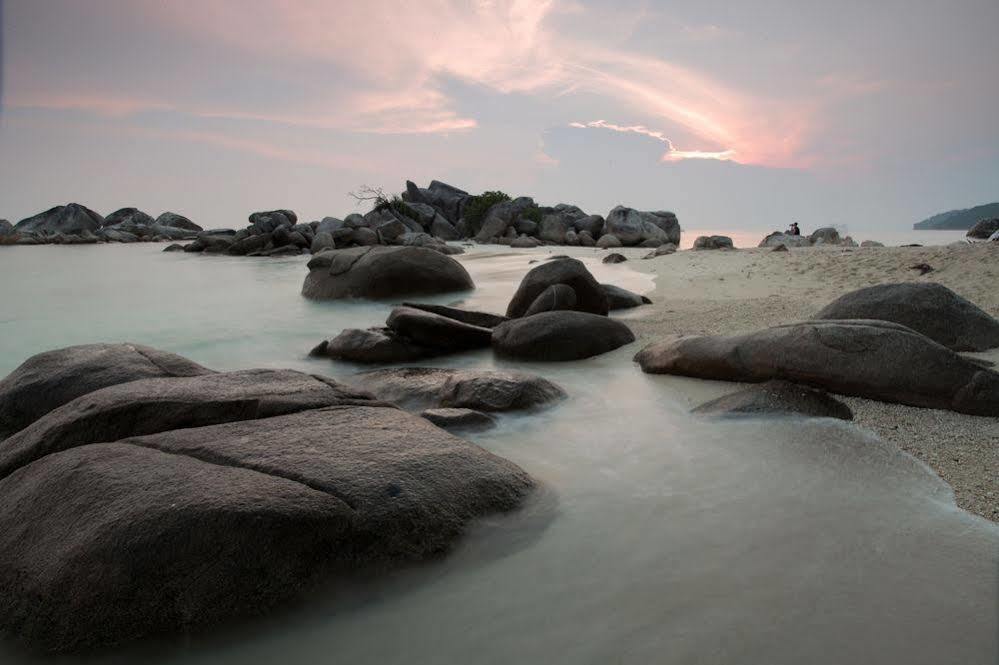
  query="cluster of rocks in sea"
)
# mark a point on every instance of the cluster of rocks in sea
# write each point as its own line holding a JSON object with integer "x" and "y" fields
{"x": 825, "y": 236}
{"x": 892, "y": 342}
{"x": 559, "y": 311}
{"x": 144, "y": 494}
{"x": 74, "y": 224}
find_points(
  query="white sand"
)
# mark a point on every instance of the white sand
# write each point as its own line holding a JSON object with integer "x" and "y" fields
{"x": 725, "y": 292}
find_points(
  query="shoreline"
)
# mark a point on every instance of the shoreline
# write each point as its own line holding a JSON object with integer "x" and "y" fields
{"x": 736, "y": 291}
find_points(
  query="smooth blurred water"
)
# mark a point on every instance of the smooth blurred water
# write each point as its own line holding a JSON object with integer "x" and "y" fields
{"x": 660, "y": 538}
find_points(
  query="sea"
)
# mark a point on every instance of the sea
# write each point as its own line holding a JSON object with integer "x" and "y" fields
{"x": 658, "y": 537}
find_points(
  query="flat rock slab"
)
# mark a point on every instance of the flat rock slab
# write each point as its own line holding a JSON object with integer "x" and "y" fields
{"x": 873, "y": 359}
{"x": 483, "y": 319}
{"x": 383, "y": 272}
{"x": 464, "y": 420}
{"x": 53, "y": 378}
{"x": 777, "y": 398}
{"x": 418, "y": 388}
{"x": 437, "y": 332}
{"x": 560, "y": 336}
{"x": 567, "y": 271}
{"x": 928, "y": 308}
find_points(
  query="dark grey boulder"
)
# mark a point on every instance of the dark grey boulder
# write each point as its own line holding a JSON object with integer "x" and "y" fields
{"x": 443, "y": 229}
{"x": 148, "y": 406}
{"x": 250, "y": 244}
{"x": 586, "y": 239}
{"x": 777, "y": 398}
{"x": 129, "y": 217}
{"x": 483, "y": 319}
{"x": 418, "y": 388}
{"x": 615, "y": 258}
{"x": 460, "y": 420}
{"x": 926, "y": 307}
{"x": 825, "y": 235}
{"x": 559, "y": 336}
{"x": 174, "y": 221}
{"x": 554, "y": 228}
{"x": 609, "y": 241}
{"x": 632, "y": 226}
{"x": 322, "y": 242}
{"x": 592, "y": 224}
{"x": 571, "y": 272}
{"x": 270, "y": 220}
{"x": 713, "y": 242}
{"x": 618, "y": 298}
{"x": 72, "y": 218}
{"x": 383, "y": 272}
{"x": 6, "y": 229}
{"x": 778, "y": 238}
{"x": 177, "y": 531}
{"x": 372, "y": 346}
{"x": 525, "y": 242}
{"x": 436, "y": 331}
{"x": 174, "y": 248}
{"x": 114, "y": 234}
{"x": 984, "y": 229}
{"x": 365, "y": 237}
{"x": 555, "y": 298}
{"x": 48, "y": 380}
{"x": 872, "y": 359}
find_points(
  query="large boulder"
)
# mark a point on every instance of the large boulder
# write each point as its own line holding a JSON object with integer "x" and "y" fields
{"x": 176, "y": 531}
{"x": 777, "y": 398}
{"x": 419, "y": 388}
{"x": 562, "y": 335}
{"x": 571, "y": 272}
{"x": 129, "y": 217}
{"x": 270, "y": 220}
{"x": 383, "y": 272}
{"x": 372, "y": 346}
{"x": 48, "y": 380}
{"x": 554, "y": 227}
{"x": 464, "y": 420}
{"x": 632, "y": 226}
{"x": 67, "y": 220}
{"x": 618, "y": 298}
{"x": 926, "y": 307}
{"x": 778, "y": 238}
{"x": 872, "y": 359}
{"x": 174, "y": 221}
{"x": 148, "y": 406}
{"x": 984, "y": 229}
{"x": 446, "y": 199}
{"x": 501, "y": 216}
{"x": 592, "y": 224}
{"x": 483, "y": 319}
{"x": 436, "y": 331}
{"x": 826, "y": 235}
{"x": 6, "y": 228}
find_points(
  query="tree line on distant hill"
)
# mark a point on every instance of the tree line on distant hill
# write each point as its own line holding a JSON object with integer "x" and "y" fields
{"x": 958, "y": 220}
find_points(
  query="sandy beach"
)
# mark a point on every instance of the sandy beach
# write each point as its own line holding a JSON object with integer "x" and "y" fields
{"x": 727, "y": 292}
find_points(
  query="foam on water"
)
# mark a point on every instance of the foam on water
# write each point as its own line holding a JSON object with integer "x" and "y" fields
{"x": 658, "y": 538}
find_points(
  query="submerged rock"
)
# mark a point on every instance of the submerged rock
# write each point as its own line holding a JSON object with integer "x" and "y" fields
{"x": 383, "y": 272}
{"x": 570, "y": 272}
{"x": 375, "y": 345}
{"x": 419, "y": 388}
{"x": 872, "y": 359}
{"x": 436, "y": 331}
{"x": 464, "y": 420}
{"x": 615, "y": 258}
{"x": 484, "y": 319}
{"x": 557, "y": 336}
{"x": 928, "y": 308}
{"x": 777, "y": 398}
{"x": 48, "y": 380}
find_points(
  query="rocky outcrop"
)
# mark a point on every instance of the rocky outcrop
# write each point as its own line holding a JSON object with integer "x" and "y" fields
{"x": 560, "y": 336}
{"x": 777, "y": 398}
{"x": 51, "y": 379}
{"x": 68, "y": 220}
{"x": 984, "y": 229}
{"x": 778, "y": 238}
{"x": 618, "y": 298}
{"x": 129, "y": 217}
{"x": 483, "y": 319}
{"x": 632, "y": 227}
{"x": 436, "y": 331}
{"x": 134, "y": 517}
{"x": 418, "y": 388}
{"x": 615, "y": 258}
{"x": 928, "y": 308}
{"x": 827, "y": 235}
{"x": 383, "y": 272}
{"x": 713, "y": 242}
{"x": 872, "y": 359}
{"x": 570, "y": 272}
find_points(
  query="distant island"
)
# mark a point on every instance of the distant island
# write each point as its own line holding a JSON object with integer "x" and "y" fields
{"x": 958, "y": 220}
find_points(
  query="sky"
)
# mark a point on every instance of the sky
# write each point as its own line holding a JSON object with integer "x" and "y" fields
{"x": 742, "y": 115}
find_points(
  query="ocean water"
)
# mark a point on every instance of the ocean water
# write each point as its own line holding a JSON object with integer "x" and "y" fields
{"x": 658, "y": 537}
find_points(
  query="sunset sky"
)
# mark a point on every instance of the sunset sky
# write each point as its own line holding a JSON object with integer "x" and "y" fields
{"x": 733, "y": 114}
